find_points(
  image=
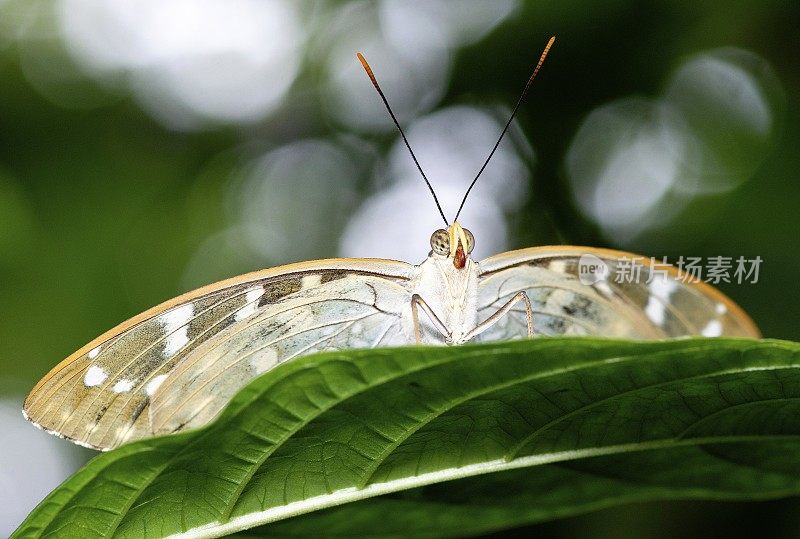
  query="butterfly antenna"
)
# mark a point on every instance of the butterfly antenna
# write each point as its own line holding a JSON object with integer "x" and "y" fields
{"x": 508, "y": 123}
{"x": 394, "y": 119}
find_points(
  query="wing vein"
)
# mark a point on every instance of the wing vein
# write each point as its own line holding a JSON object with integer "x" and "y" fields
{"x": 241, "y": 358}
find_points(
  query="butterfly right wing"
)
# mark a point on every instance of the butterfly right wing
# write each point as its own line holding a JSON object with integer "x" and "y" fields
{"x": 658, "y": 304}
{"x": 177, "y": 365}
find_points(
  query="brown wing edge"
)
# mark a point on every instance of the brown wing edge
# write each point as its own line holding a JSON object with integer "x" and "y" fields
{"x": 375, "y": 266}
{"x": 517, "y": 257}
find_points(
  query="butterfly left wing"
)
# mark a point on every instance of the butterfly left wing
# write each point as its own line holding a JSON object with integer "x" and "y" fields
{"x": 660, "y": 302}
{"x": 176, "y": 365}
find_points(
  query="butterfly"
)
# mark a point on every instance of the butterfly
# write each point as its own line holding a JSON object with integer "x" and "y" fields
{"x": 176, "y": 365}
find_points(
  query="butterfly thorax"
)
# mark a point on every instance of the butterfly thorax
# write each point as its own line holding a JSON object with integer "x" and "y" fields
{"x": 452, "y": 295}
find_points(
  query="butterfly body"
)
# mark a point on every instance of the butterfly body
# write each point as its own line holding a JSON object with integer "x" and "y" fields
{"x": 452, "y": 295}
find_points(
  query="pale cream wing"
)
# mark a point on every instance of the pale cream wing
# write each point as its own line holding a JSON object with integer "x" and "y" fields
{"x": 659, "y": 305}
{"x": 176, "y": 365}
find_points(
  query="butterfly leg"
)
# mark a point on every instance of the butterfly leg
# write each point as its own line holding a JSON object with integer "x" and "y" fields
{"x": 418, "y": 302}
{"x": 501, "y": 312}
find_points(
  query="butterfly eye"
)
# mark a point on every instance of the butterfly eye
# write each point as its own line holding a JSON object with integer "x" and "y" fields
{"x": 440, "y": 242}
{"x": 470, "y": 241}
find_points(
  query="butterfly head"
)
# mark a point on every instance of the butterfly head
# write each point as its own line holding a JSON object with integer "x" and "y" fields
{"x": 455, "y": 243}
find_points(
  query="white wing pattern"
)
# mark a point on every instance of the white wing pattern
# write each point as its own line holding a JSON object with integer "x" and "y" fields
{"x": 178, "y": 364}
{"x": 658, "y": 304}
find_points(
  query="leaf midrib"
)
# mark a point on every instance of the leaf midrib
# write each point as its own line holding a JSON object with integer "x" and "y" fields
{"x": 536, "y": 376}
{"x": 352, "y": 494}
{"x": 234, "y": 499}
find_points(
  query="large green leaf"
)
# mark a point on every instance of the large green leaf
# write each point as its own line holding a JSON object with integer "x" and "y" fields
{"x": 496, "y": 435}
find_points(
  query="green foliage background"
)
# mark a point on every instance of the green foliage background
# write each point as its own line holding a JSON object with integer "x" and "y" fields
{"x": 101, "y": 208}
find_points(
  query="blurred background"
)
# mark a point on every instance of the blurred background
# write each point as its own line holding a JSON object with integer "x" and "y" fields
{"x": 148, "y": 147}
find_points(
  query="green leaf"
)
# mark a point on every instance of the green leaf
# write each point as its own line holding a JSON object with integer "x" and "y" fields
{"x": 458, "y": 440}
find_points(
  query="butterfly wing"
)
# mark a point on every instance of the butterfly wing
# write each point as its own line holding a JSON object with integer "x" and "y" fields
{"x": 648, "y": 302}
{"x": 162, "y": 371}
